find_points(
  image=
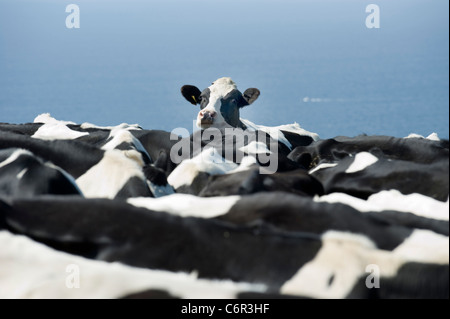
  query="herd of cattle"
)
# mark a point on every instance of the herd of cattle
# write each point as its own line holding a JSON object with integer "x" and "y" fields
{"x": 124, "y": 212}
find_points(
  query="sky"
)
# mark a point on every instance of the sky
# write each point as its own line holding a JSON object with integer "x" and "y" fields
{"x": 315, "y": 62}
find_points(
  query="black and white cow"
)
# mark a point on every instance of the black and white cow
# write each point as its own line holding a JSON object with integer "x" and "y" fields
{"x": 150, "y": 239}
{"x": 220, "y": 107}
{"x": 109, "y": 173}
{"x": 156, "y": 148}
{"x": 153, "y": 145}
{"x": 333, "y": 211}
{"x": 152, "y": 155}
{"x": 22, "y": 174}
{"x": 158, "y": 145}
{"x": 218, "y": 152}
{"x": 261, "y": 239}
{"x": 419, "y": 150}
{"x": 220, "y": 104}
{"x": 250, "y": 180}
{"x": 30, "y": 269}
{"x": 23, "y": 129}
{"x": 385, "y": 209}
{"x": 365, "y": 165}
{"x": 123, "y": 136}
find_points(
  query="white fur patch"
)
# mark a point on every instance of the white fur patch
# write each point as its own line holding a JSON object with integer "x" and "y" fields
{"x": 424, "y": 246}
{"x": 46, "y": 118}
{"x": 340, "y": 263}
{"x": 187, "y": 205}
{"x": 124, "y": 126}
{"x": 14, "y": 156}
{"x": 246, "y": 163}
{"x": 208, "y": 161}
{"x": 362, "y": 161}
{"x": 341, "y": 257}
{"x": 255, "y": 148}
{"x": 57, "y": 131}
{"x": 107, "y": 177}
{"x": 322, "y": 166}
{"x": 120, "y": 136}
{"x": 22, "y": 173}
{"x": 297, "y": 129}
{"x": 32, "y": 270}
{"x": 431, "y": 137}
{"x": 414, "y": 135}
{"x": 417, "y": 204}
{"x": 54, "y": 129}
{"x": 276, "y": 131}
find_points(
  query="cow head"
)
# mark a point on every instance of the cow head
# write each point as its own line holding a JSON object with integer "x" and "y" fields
{"x": 219, "y": 103}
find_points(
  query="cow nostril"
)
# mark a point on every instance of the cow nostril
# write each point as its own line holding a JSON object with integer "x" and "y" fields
{"x": 207, "y": 114}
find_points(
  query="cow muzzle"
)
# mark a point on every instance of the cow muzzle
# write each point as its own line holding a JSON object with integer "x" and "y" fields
{"x": 207, "y": 117}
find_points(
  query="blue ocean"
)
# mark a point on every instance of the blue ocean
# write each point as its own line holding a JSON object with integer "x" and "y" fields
{"x": 315, "y": 62}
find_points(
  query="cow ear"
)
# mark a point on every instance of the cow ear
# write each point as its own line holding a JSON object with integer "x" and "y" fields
{"x": 250, "y": 95}
{"x": 191, "y": 93}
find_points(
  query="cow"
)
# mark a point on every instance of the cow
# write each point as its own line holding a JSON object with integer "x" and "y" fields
{"x": 110, "y": 173}
{"x": 32, "y": 270}
{"x": 365, "y": 165}
{"x": 413, "y": 210}
{"x": 387, "y": 228}
{"x": 302, "y": 253}
{"x": 22, "y": 174}
{"x": 152, "y": 155}
{"x": 220, "y": 105}
{"x": 154, "y": 145}
{"x": 419, "y": 150}
{"x": 250, "y": 180}
{"x": 158, "y": 145}
{"x": 27, "y": 129}
{"x": 220, "y": 151}
{"x": 332, "y": 215}
{"x": 150, "y": 239}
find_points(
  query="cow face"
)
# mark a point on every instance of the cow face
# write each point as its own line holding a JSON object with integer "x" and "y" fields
{"x": 219, "y": 103}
